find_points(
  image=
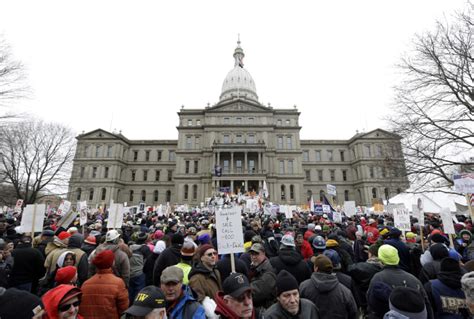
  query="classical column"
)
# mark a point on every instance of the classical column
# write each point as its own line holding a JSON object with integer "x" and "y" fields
{"x": 259, "y": 165}
{"x": 246, "y": 184}
{"x": 219, "y": 158}
{"x": 213, "y": 160}
{"x": 231, "y": 162}
{"x": 245, "y": 166}
{"x": 231, "y": 186}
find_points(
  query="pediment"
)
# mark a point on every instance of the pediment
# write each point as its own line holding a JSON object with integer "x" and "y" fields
{"x": 239, "y": 106}
{"x": 100, "y": 134}
{"x": 377, "y": 134}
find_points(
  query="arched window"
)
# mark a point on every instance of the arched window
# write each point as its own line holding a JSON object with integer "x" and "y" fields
{"x": 103, "y": 194}
{"x": 131, "y": 196}
{"x": 91, "y": 194}
{"x": 292, "y": 192}
{"x": 374, "y": 192}
{"x": 168, "y": 196}
{"x": 78, "y": 193}
{"x": 143, "y": 196}
{"x": 321, "y": 195}
{"x": 309, "y": 193}
{"x": 195, "y": 191}
{"x": 155, "y": 196}
{"x": 346, "y": 195}
{"x": 186, "y": 190}
{"x": 283, "y": 195}
{"x": 387, "y": 193}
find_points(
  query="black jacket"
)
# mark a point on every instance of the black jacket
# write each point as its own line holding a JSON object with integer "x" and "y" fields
{"x": 332, "y": 298}
{"x": 225, "y": 267}
{"x": 307, "y": 310}
{"x": 290, "y": 260}
{"x": 169, "y": 257}
{"x": 361, "y": 274}
{"x": 28, "y": 265}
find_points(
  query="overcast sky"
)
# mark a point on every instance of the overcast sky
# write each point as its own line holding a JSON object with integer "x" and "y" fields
{"x": 130, "y": 65}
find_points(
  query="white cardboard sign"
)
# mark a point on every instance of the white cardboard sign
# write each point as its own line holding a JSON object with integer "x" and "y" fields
{"x": 115, "y": 218}
{"x": 82, "y": 208}
{"x": 32, "y": 218}
{"x": 401, "y": 219}
{"x": 349, "y": 208}
{"x": 230, "y": 238}
{"x": 448, "y": 225}
{"x": 331, "y": 189}
{"x": 418, "y": 214}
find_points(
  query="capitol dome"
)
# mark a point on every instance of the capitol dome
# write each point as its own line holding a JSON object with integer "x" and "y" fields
{"x": 238, "y": 82}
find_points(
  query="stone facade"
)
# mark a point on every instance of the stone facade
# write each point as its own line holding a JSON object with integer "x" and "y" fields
{"x": 246, "y": 143}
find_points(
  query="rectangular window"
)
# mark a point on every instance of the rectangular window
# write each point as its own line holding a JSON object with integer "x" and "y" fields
{"x": 307, "y": 174}
{"x": 147, "y": 156}
{"x": 197, "y": 143}
{"x": 157, "y": 175}
{"x": 109, "y": 150}
{"x": 83, "y": 169}
{"x": 198, "y": 122}
{"x": 238, "y": 138}
{"x": 196, "y": 167}
{"x": 280, "y": 142}
{"x": 279, "y": 122}
{"x": 158, "y": 156}
{"x": 226, "y": 139}
{"x": 344, "y": 175}
{"x": 367, "y": 151}
{"x": 195, "y": 191}
{"x": 238, "y": 120}
{"x": 320, "y": 175}
{"x": 282, "y": 167}
{"x": 332, "y": 174}
{"x": 378, "y": 150}
{"x": 226, "y": 120}
{"x": 251, "y": 166}
{"x": 330, "y": 155}
{"x": 106, "y": 172}
{"x": 134, "y": 172}
{"x": 251, "y": 139}
{"x": 289, "y": 144}
{"x": 186, "y": 170}
{"x": 170, "y": 175}
{"x": 305, "y": 156}
{"x": 287, "y": 122}
{"x": 341, "y": 154}
{"x": 145, "y": 175}
{"x": 290, "y": 167}
{"x": 97, "y": 151}
{"x": 94, "y": 172}
{"x": 135, "y": 155}
{"x": 172, "y": 156}
{"x": 346, "y": 195}
{"x": 226, "y": 166}
{"x": 186, "y": 188}
{"x": 189, "y": 142}
{"x": 317, "y": 155}
{"x": 384, "y": 172}
{"x": 238, "y": 166}
{"x": 251, "y": 120}
{"x": 371, "y": 172}
{"x": 190, "y": 122}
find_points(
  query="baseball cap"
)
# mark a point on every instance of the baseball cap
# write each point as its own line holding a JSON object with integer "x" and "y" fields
{"x": 147, "y": 299}
{"x": 171, "y": 274}
{"x": 257, "y": 247}
{"x": 288, "y": 240}
{"x": 236, "y": 284}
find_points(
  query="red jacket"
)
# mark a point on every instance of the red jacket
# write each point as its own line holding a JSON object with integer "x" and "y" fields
{"x": 53, "y": 297}
{"x": 306, "y": 250}
{"x": 308, "y": 234}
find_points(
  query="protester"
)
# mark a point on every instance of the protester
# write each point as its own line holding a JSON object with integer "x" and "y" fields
{"x": 204, "y": 277}
{"x": 89, "y": 245}
{"x": 224, "y": 266}
{"x": 289, "y": 304}
{"x": 104, "y": 294}
{"x": 20, "y": 304}
{"x": 406, "y": 302}
{"x": 262, "y": 278}
{"x": 61, "y": 302}
{"x": 66, "y": 276}
{"x": 27, "y": 266}
{"x": 149, "y": 303}
{"x": 158, "y": 248}
{"x": 169, "y": 257}
{"x": 235, "y": 299}
{"x": 467, "y": 285}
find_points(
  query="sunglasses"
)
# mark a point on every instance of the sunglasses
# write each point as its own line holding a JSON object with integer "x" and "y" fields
{"x": 64, "y": 308}
{"x": 212, "y": 254}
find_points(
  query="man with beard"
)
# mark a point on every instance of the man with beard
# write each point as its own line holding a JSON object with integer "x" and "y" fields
{"x": 289, "y": 304}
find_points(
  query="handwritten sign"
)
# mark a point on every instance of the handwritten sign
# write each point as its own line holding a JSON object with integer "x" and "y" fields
{"x": 337, "y": 217}
{"x": 349, "y": 208}
{"x": 230, "y": 238}
{"x": 82, "y": 208}
{"x": 115, "y": 216}
{"x": 64, "y": 207}
{"x": 326, "y": 209}
{"x": 331, "y": 189}
{"x": 418, "y": 214}
{"x": 401, "y": 219}
{"x": 32, "y": 218}
{"x": 18, "y": 205}
{"x": 448, "y": 225}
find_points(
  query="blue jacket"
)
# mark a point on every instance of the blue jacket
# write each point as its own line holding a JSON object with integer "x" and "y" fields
{"x": 447, "y": 301}
{"x": 187, "y": 307}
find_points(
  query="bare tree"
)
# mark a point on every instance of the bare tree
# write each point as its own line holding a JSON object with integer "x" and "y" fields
{"x": 35, "y": 158}
{"x": 434, "y": 105}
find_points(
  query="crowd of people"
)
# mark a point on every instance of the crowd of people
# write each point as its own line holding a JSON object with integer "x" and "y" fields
{"x": 169, "y": 266}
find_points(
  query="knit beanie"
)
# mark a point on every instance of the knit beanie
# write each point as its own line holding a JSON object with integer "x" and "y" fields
{"x": 408, "y": 302}
{"x": 439, "y": 251}
{"x": 388, "y": 255}
{"x": 450, "y": 264}
{"x": 65, "y": 275}
{"x": 203, "y": 249}
{"x": 19, "y": 304}
{"x": 63, "y": 235}
{"x": 177, "y": 239}
{"x": 438, "y": 238}
{"x": 285, "y": 282}
{"x": 377, "y": 298}
{"x": 104, "y": 260}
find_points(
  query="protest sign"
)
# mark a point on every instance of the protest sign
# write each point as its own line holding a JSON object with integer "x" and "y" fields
{"x": 401, "y": 219}
{"x": 229, "y": 230}
{"x": 82, "y": 208}
{"x": 251, "y": 205}
{"x": 18, "y": 205}
{"x": 448, "y": 225}
{"x": 337, "y": 217}
{"x": 115, "y": 218}
{"x": 464, "y": 183}
{"x": 349, "y": 208}
{"x": 32, "y": 218}
{"x": 326, "y": 209}
{"x": 418, "y": 214}
{"x": 67, "y": 219}
{"x": 331, "y": 189}
{"x": 64, "y": 207}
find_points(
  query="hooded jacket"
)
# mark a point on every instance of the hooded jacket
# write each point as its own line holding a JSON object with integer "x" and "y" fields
{"x": 361, "y": 274}
{"x": 169, "y": 257}
{"x": 290, "y": 260}
{"x": 332, "y": 299}
{"x": 204, "y": 282}
{"x": 263, "y": 283}
{"x": 54, "y": 244}
{"x": 52, "y": 299}
{"x": 223, "y": 310}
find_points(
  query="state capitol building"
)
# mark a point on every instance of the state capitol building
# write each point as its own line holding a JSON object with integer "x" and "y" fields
{"x": 236, "y": 145}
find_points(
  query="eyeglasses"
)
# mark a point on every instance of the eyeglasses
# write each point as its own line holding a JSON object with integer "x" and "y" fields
{"x": 212, "y": 254}
{"x": 64, "y": 308}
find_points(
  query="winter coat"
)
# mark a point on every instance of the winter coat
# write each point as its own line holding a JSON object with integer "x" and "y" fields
{"x": 187, "y": 307}
{"x": 430, "y": 271}
{"x": 224, "y": 311}
{"x": 148, "y": 268}
{"x": 359, "y": 254}
{"x": 446, "y": 296}
{"x": 225, "y": 267}
{"x": 88, "y": 248}
{"x": 403, "y": 252}
{"x": 290, "y": 260}
{"x": 137, "y": 260}
{"x": 104, "y": 295}
{"x": 27, "y": 265}
{"x": 53, "y": 245}
{"x": 305, "y": 250}
{"x": 82, "y": 262}
{"x": 307, "y": 310}
{"x": 361, "y": 274}
{"x": 263, "y": 283}
{"x": 332, "y": 299}
{"x": 52, "y": 299}
{"x": 121, "y": 267}
{"x": 168, "y": 257}
{"x": 204, "y": 282}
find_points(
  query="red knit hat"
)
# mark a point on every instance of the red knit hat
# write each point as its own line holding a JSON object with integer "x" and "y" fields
{"x": 65, "y": 275}
{"x": 63, "y": 235}
{"x": 104, "y": 259}
{"x": 91, "y": 240}
{"x": 203, "y": 249}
